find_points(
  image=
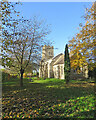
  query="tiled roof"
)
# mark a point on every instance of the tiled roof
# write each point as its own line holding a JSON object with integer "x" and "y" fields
{"x": 60, "y": 60}
{"x": 56, "y": 57}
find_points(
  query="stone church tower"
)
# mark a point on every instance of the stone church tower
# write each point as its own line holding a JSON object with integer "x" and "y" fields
{"x": 45, "y": 69}
{"x": 47, "y": 52}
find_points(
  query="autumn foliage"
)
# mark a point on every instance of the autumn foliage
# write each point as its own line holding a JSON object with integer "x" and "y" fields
{"x": 83, "y": 45}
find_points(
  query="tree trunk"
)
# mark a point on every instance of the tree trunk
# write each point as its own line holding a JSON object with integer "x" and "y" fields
{"x": 67, "y": 81}
{"x": 21, "y": 78}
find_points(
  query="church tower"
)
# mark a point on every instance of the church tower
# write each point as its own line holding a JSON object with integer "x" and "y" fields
{"x": 47, "y": 52}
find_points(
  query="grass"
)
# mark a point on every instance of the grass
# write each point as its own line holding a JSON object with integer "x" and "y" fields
{"x": 50, "y": 98}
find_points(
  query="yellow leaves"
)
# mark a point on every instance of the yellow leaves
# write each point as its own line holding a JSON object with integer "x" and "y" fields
{"x": 59, "y": 104}
{"x": 34, "y": 110}
{"x": 86, "y": 33}
{"x": 86, "y": 23}
{"x": 37, "y": 112}
{"x": 11, "y": 41}
{"x": 14, "y": 91}
{"x": 90, "y": 35}
{"x": 10, "y": 116}
{"x": 77, "y": 60}
{"x": 6, "y": 117}
{"x": 84, "y": 41}
{"x": 9, "y": 101}
{"x": 29, "y": 116}
{"x": 24, "y": 75}
{"x": 78, "y": 71}
{"x": 10, "y": 113}
{"x": 17, "y": 115}
{"x": 87, "y": 53}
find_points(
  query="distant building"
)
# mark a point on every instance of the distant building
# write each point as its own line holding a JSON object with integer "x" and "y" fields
{"x": 53, "y": 67}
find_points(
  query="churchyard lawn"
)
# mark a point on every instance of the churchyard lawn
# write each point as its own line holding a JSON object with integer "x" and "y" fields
{"x": 49, "y": 98}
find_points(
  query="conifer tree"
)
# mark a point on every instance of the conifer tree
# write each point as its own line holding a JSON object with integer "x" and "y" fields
{"x": 67, "y": 67}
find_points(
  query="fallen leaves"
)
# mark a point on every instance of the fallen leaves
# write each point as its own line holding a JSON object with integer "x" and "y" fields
{"x": 41, "y": 101}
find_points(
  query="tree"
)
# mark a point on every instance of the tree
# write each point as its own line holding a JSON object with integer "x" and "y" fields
{"x": 7, "y": 12}
{"x": 24, "y": 46}
{"x": 67, "y": 67}
{"x": 83, "y": 45}
{"x": 77, "y": 58}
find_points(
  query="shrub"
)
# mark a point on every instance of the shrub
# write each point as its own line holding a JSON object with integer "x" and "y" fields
{"x": 92, "y": 73}
{"x": 5, "y": 76}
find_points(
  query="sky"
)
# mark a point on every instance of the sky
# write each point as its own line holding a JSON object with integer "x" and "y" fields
{"x": 64, "y": 18}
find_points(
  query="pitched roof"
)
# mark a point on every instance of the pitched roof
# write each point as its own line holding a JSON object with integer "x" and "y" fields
{"x": 57, "y": 56}
{"x": 60, "y": 60}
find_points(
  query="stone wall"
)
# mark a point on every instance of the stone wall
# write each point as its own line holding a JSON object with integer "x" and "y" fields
{"x": 58, "y": 71}
{"x": 47, "y": 52}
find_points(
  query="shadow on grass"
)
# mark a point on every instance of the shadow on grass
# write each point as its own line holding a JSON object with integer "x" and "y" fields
{"x": 47, "y": 99}
{"x": 58, "y": 90}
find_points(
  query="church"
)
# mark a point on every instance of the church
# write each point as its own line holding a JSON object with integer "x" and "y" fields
{"x": 53, "y": 67}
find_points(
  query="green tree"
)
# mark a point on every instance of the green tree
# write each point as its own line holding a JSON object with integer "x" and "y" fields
{"x": 67, "y": 67}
